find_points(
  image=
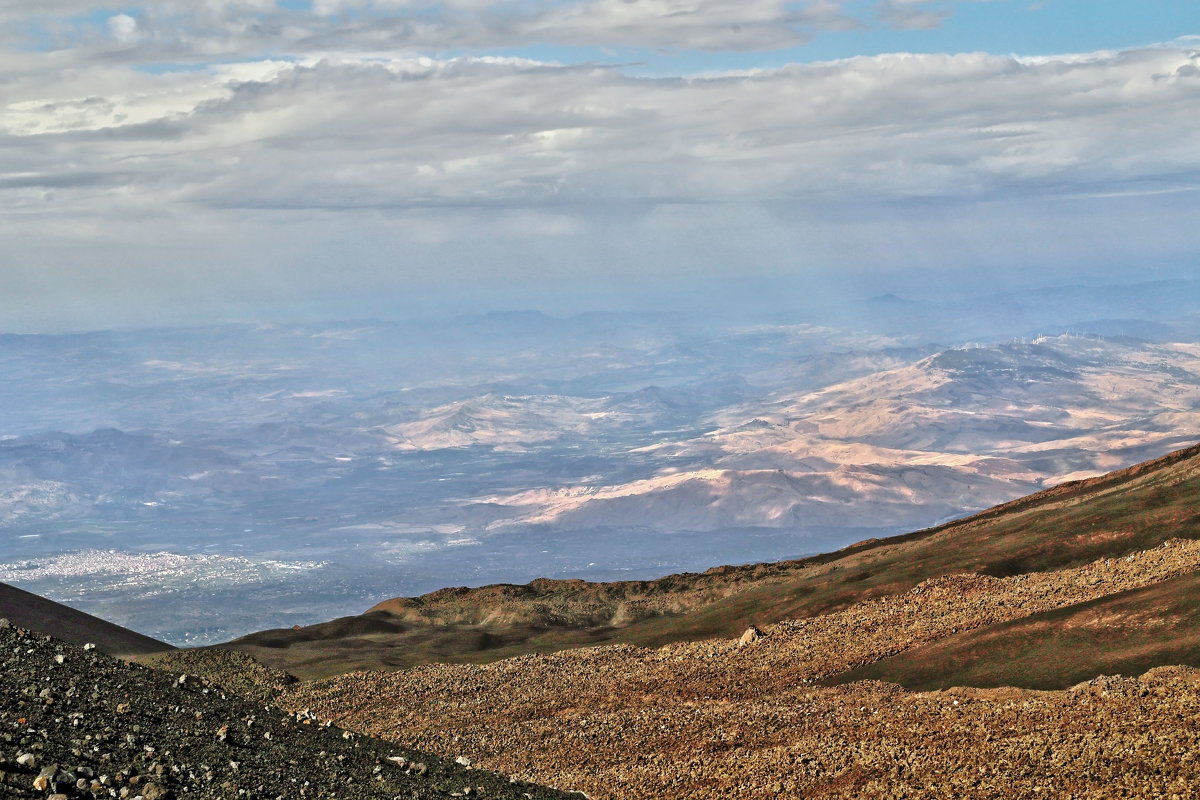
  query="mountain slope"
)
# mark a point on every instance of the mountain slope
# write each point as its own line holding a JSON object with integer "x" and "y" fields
{"x": 1123, "y": 633}
{"x": 26, "y": 610}
{"x": 717, "y": 718}
{"x": 1055, "y": 592}
{"x": 1110, "y": 516}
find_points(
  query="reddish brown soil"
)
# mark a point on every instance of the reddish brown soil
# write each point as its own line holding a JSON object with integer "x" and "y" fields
{"x": 712, "y": 719}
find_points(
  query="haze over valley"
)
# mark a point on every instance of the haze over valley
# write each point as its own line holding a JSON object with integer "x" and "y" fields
{"x": 196, "y": 484}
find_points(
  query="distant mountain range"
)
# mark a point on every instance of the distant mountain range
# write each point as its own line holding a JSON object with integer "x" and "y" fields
{"x": 177, "y": 481}
{"x": 956, "y": 431}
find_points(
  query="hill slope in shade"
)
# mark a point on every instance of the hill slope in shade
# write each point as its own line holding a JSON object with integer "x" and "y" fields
{"x": 27, "y": 610}
{"x": 1111, "y": 516}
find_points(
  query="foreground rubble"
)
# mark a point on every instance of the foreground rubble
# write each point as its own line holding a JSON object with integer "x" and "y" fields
{"x": 75, "y": 723}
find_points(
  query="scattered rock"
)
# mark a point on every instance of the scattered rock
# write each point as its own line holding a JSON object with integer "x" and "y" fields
{"x": 677, "y": 721}
{"x": 167, "y": 750}
{"x": 155, "y": 791}
{"x": 751, "y": 635}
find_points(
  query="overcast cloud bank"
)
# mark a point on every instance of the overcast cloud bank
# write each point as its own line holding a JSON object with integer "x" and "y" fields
{"x": 192, "y": 155}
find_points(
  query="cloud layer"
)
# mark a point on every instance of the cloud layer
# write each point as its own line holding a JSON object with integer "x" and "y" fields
{"x": 176, "y": 30}
{"x": 424, "y": 133}
{"x": 228, "y": 177}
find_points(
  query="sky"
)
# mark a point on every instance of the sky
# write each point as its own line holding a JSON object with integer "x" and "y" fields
{"x": 211, "y": 160}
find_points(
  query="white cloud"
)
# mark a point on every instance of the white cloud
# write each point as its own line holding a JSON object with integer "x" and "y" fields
{"x": 250, "y": 175}
{"x": 355, "y": 134}
{"x": 124, "y": 28}
{"x": 369, "y": 135}
{"x": 911, "y": 14}
{"x": 180, "y": 30}
{"x": 427, "y": 133}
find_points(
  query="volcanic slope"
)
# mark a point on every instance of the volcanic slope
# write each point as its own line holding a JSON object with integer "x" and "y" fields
{"x": 1057, "y": 591}
{"x": 1111, "y": 516}
{"x": 711, "y": 719}
{"x": 78, "y": 724}
{"x": 37, "y": 613}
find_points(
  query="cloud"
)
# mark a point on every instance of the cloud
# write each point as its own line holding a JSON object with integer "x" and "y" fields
{"x": 911, "y": 15}
{"x": 180, "y": 31}
{"x": 124, "y": 28}
{"x": 241, "y": 177}
{"x": 431, "y": 133}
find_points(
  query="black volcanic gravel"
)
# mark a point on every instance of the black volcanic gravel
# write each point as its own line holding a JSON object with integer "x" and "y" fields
{"x": 75, "y": 723}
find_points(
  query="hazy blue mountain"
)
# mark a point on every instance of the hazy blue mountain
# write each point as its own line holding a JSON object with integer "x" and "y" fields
{"x": 195, "y": 484}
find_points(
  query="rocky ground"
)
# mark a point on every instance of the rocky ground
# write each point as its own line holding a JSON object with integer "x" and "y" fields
{"x": 75, "y": 723}
{"x": 716, "y": 719}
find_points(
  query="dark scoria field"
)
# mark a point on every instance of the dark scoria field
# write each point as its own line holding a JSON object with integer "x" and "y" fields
{"x": 75, "y": 723}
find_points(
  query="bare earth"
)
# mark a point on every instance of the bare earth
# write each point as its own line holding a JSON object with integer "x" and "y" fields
{"x": 715, "y": 719}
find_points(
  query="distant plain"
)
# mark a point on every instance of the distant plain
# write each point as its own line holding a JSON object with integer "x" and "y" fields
{"x": 198, "y": 484}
